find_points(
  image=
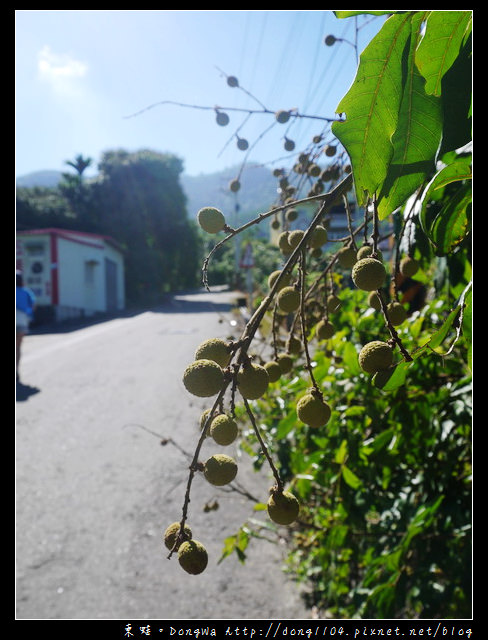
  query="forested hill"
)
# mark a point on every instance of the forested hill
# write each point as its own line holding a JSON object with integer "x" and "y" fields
{"x": 257, "y": 193}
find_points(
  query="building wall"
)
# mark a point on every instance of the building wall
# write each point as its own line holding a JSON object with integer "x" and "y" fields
{"x": 77, "y": 274}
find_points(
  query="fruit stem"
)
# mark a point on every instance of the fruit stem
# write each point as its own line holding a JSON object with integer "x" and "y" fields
{"x": 279, "y": 482}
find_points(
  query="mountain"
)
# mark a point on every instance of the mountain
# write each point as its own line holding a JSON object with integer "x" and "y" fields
{"x": 256, "y": 195}
{"x": 257, "y": 192}
{"x": 45, "y": 178}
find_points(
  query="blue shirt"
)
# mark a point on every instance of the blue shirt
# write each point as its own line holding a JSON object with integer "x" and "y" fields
{"x": 24, "y": 300}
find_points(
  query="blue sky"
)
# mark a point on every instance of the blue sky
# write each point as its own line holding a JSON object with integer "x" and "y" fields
{"x": 81, "y": 73}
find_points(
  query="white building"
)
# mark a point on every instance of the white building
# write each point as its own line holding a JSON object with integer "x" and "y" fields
{"x": 72, "y": 273}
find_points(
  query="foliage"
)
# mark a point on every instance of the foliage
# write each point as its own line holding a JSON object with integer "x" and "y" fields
{"x": 138, "y": 200}
{"x": 385, "y": 484}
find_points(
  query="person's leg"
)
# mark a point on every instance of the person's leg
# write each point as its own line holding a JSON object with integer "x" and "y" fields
{"x": 19, "y": 337}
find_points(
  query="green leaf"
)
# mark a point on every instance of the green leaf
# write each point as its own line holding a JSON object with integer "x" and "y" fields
{"x": 445, "y": 33}
{"x": 392, "y": 378}
{"x": 453, "y": 223}
{"x": 350, "y": 14}
{"x": 372, "y": 106}
{"x": 341, "y": 453}
{"x": 350, "y": 478}
{"x": 447, "y": 226}
{"x": 416, "y": 139}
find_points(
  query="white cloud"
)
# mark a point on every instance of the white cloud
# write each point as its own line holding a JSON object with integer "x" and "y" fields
{"x": 59, "y": 69}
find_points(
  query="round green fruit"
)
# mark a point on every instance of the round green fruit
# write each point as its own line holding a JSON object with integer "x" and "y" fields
{"x": 295, "y": 237}
{"x": 193, "y": 557}
{"x": 220, "y": 469}
{"x": 223, "y": 429}
{"x": 293, "y": 345}
{"x": 214, "y": 349}
{"x": 211, "y": 220}
{"x": 288, "y": 299}
{"x": 222, "y": 119}
{"x": 368, "y": 274}
{"x": 375, "y": 356}
{"x": 284, "y": 282}
{"x": 203, "y": 378}
{"x": 282, "y": 116}
{"x": 333, "y": 303}
{"x": 346, "y": 257}
{"x": 365, "y": 252}
{"x": 283, "y": 507}
{"x": 252, "y": 381}
{"x": 313, "y": 410}
{"x": 171, "y": 534}
{"x": 374, "y": 301}
{"x": 283, "y": 243}
{"x": 396, "y": 312}
{"x": 274, "y": 370}
{"x": 408, "y": 266}
{"x": 324, "y": 330}
{"x": 285, "y": 362}
{"x": 319, "y": 237}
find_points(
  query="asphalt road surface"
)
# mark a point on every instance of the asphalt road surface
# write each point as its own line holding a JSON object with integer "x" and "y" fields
{"x": 95, "y": 488}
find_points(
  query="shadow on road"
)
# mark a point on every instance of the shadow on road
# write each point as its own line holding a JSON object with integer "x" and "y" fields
{"x": 178, "y": 302}
{"x": 24, "y": 391}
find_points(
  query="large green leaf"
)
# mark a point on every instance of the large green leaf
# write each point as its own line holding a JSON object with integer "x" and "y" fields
{"x": 372, "y": 105}
{"x": 417, "y": 137}
{"x": 445, "y": 33}
{"x": 449, "y": 224}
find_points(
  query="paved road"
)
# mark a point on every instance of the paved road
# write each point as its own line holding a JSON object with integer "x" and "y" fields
{"x": 95, "y": 488}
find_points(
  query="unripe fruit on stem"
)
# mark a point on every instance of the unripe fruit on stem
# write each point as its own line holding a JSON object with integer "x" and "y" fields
{"x": 319, "y": 237}
{"x": 285, "y": 362}
{"x": 203, "y": 378}
{"x": 396, "y": 313}
{"x": 220, "y": 469}
{"x": 333, "y": 303}
{"x": 193, "y": 557}
{"x": 284, "y": 282}
{"x": 288, "y": 299}
{"x": 291, "y": 214}
{"x": 293, "y": 345}
{"x": 223, "y": 429}
{"x": 365, "y": 252}
{"x": 330, "y": 40}
{"x": 171, "y": 534}
{"x": 368, "y": 274}
{"x": 282, "y": 116}
{"x": 408, "y": 266}
{"x": 346, "y": 257}
{"x": 242, "y": 144}
{"x": 283, "y": 508}
{"x": 313, "y": 410}
{"x": 232, "y": 81}
{"x": 289, "y": 145}
{"x": 222, "y": 118}
{"x": 295, "y": 237}
{"x": 375, "y": 356}
{"x": 374, "y": 301}
{"x": 330, "y": 150}
{"x": 283, "y": 243}
{"x": 214, "y": 349}
{"x": 211, "y": 220}
{"x": 252, "y": 381}
{"x": 274, "y": 371}
{"x": 234, "y": 185}
{"x": 324, "y": 330}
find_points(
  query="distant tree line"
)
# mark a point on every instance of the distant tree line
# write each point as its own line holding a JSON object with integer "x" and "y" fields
{"x": 137, "y": 199}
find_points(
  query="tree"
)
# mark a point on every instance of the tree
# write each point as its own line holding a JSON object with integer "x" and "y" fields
{"x": 140, "y": 202}
{"x": 363, "y": 412}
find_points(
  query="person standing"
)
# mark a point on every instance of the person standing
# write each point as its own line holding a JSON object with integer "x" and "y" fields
{"x": 24, "y": 309}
